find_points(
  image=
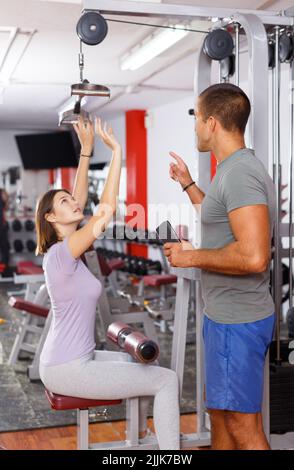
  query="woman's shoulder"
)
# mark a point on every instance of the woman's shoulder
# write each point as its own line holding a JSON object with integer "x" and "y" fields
{"x": 59, "y": 257}
{"x": 50, "y": 255}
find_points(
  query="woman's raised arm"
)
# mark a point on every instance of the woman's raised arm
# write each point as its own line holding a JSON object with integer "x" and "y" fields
{"x": 85, "y": 133}
{"x": 83, "y": 238}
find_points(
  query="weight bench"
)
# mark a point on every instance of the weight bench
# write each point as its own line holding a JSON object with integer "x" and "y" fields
{"x": 157, "y": 280}
{"x": 32, "y": 311}
{"x": 82, "y": 405}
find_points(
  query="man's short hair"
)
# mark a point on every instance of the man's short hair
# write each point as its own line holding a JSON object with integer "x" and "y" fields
{"x": 228, "y": 104}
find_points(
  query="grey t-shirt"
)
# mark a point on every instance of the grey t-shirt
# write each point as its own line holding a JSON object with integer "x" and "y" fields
{"x": 241, "y": 180}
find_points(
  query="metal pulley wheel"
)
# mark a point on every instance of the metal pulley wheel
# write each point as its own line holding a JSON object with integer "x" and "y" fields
{"x": 92, "y": 28}
{"x": 286, "y": 48}
{"x": 218, "y": 44}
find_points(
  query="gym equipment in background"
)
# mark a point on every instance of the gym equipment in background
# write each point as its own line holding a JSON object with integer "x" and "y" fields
{"x": 91, "y": 29}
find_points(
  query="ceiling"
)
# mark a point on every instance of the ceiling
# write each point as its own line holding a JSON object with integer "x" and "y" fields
{"x": 40, "y": 77}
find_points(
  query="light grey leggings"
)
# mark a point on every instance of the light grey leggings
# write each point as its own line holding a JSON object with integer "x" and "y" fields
{"x": 120, "y": 378}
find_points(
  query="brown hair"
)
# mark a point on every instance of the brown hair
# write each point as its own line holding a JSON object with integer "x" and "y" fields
{"x": 228, "y": 104}
{"x": 46, "y": 234}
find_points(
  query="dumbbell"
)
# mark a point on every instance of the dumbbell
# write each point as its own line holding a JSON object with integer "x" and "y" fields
{"x": 16, "y": 225}
{"x": 133, "y": 265}
{"x": 31, "y": 246}
{"x": 29, "y": 225}
{"x": 18, "y": 246}
{"x": 142, "y": 267}
{"x": 133, "y": 342}
{"x": 154, "y": 265}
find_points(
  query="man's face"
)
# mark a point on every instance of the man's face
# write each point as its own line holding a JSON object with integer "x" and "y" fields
{"x": 203, "y": 130}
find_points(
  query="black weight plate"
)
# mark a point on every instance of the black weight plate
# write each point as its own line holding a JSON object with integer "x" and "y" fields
{"x": 285, "y": 48}
{"x": 92, "y": 28}
{"x": 218, "y": 44}
{"x": 31, "y": 245}
{"x": 16, "y": 225}
{"x": 29, "y": 225}
{"x": 18, "y": 246}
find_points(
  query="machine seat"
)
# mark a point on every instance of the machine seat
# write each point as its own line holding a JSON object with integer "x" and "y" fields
{"x": 62, "y": 402}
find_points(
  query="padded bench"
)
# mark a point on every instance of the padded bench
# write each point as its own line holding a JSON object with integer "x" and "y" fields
{"x": 28, "y": 267}
{"x": 29, "y": 307}
{"x": 116, "y": 264}
{"x": 157, "y": 280}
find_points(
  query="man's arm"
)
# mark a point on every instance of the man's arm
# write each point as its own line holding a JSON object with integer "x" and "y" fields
{"x": 195, "y": 194}
{"x": 179, "y": 172}
{"x": 249, "y": 253}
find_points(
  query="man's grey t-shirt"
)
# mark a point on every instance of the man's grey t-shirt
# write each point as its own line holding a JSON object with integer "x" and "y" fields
{"x": 240, "y": 180}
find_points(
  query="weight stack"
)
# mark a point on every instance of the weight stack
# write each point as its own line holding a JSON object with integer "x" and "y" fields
{"x": 281, "y": 392}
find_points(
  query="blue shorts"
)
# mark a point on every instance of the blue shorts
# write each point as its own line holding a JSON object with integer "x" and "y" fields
{"x": 234, "y": 363}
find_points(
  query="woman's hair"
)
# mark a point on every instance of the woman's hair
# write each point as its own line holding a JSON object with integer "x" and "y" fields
{"x": 46, "y": 234}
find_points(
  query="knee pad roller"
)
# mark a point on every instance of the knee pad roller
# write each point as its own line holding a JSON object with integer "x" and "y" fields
{"x": 133, "y": 342}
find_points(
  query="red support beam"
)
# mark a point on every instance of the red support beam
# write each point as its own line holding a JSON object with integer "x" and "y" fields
{"x": 136, "y": 164}
{"x": 67, "y": 178}
{"x": 213, "y": 165}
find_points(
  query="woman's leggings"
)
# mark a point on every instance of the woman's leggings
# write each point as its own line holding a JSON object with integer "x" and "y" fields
{"x": 120, "y": 378}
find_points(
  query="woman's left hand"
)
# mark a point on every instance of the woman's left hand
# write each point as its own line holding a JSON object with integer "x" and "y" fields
{"x": 85, "y": 132}
{"x": 106, "y": 134}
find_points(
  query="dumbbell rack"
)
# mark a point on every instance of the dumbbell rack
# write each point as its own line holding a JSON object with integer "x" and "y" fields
{"x": 23, "y": 236}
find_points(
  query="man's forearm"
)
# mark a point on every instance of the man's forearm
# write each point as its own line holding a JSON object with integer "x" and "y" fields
{"x": 232, "y": 259}
{"x": 195, "y": 194}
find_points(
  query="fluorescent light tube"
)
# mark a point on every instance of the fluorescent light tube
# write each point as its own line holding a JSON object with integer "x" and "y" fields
{"x": 153, "y": 46}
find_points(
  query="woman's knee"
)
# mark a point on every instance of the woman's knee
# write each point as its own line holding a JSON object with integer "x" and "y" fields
{"x": 170, "y": 379}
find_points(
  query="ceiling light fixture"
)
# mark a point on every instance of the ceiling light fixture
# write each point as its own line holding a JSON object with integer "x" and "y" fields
{"x": 17, "y": 44}
{"x": 153, "y": 46}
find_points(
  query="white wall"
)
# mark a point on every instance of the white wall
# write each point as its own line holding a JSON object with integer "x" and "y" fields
{"x": 171, "y": 128}
{"x": 101, "y": 152}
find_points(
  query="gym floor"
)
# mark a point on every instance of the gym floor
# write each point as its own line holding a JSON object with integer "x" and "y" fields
{"x": 64, "y": 438}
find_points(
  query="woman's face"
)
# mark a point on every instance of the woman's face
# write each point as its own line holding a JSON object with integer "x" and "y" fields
{"x": 66, "y": 209}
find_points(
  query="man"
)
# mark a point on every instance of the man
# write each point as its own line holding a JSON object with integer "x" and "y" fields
{"x": 237, "y": 218}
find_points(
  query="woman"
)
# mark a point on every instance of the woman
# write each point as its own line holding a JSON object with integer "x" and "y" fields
{"x": 69, "y": 364}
